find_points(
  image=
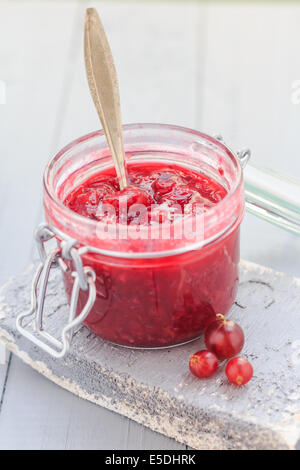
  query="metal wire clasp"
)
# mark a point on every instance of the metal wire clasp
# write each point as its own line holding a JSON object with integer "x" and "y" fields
{"x": 244, "y": 155}
{"x": 84, "y": 279}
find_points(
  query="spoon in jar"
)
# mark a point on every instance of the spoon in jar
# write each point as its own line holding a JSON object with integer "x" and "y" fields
{"x": 103, "y": 83}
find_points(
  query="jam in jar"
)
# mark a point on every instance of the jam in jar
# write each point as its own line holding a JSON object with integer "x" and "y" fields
{"x": 157, "y": 286}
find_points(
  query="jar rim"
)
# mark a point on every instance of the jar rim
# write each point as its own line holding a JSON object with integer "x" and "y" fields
{"x": 93, "y": 224}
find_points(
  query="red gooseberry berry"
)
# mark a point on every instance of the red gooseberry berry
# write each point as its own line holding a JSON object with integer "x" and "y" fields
{"x": 203, "y": 364}
{"x": 224, "y": 338}
{"x": 239, "y": 371}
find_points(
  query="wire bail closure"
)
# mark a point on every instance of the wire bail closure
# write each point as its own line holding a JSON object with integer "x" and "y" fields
{"x": 66, "y": 249}
{"x": 243, "y": 155}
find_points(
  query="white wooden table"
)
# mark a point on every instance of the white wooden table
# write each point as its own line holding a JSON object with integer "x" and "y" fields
{"x": 219, "y": 68}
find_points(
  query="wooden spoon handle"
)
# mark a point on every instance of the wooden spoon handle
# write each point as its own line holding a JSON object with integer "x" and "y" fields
{"x": 103, "y": 83}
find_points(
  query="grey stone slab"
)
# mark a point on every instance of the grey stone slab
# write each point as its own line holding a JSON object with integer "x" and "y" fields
{"x": 156, "y": 389}
{"x": 36, "y": 414}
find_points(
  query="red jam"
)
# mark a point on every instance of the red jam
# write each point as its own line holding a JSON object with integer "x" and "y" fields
{"x": 159, "y": 188}
{"x": 159, "y": 301}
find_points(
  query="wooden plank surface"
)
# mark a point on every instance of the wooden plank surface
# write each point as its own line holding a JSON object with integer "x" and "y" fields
{"x": 251, "y": 61}
{"x": 219, "y": 68}
{"x": 33, "y": 65}
{"x": 152, "y": 88}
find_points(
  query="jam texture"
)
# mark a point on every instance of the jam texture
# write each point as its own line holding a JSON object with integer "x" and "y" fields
{"x": 155, "y": 193}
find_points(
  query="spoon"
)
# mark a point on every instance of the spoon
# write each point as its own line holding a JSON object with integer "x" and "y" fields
{"x": 103, "y": 83}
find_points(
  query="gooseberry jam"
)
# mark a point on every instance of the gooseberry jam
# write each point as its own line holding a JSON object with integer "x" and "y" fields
{"x": 156, "y": 188}
{"x": 151, "y": 292}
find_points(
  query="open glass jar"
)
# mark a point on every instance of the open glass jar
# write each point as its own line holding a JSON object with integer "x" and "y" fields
{"x": 149, "y": 291}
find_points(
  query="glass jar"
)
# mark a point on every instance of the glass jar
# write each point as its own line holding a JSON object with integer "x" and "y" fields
{"x": 163, "y": 291}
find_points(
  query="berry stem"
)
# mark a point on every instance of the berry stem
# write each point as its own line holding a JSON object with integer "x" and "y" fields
{"x": 221, "y": 317}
